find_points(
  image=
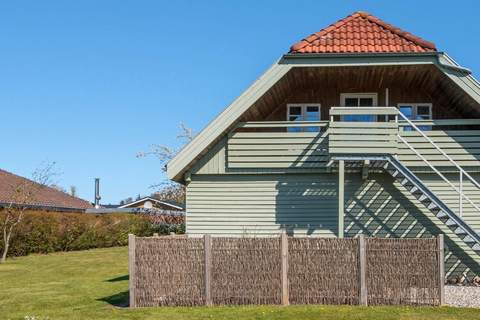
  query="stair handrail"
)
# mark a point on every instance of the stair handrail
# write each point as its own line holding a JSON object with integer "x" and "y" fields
{"x": 458, "y": 190}
{"x": 440, "y": 150}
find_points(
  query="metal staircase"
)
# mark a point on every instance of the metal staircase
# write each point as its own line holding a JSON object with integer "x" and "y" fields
{"x": 375, "y": 145}
{"x": 420, "y": 191}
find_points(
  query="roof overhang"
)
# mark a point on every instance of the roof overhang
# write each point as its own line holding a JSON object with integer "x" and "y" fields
{"x": 180, "y": 164}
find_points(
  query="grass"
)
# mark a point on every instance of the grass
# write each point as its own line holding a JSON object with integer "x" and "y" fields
{"x": 93, "y": 285}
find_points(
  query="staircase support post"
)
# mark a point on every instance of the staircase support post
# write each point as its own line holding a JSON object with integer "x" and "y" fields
{"x": 341, "y": 197}
{"x": 441, "y": 267}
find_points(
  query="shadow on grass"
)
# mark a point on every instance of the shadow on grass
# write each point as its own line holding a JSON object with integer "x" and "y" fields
{"x": 121, "y": 278}
{"x": 119, "y": 300}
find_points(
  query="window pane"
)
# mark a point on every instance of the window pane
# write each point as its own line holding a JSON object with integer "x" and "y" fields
{"x": 351, "y": 102}
{"x": 366, "y": 102}
{"x": 295, "y": 111}
{"x": 423, "y": 110}
{"x": 407, "y": 111}
{"x": 312, "y": 113}
{"x": 295, "y": 118}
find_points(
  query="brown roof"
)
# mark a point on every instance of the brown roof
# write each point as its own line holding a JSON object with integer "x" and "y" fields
{"x": 43, "y": 196}
{"x": 362, "y": 32}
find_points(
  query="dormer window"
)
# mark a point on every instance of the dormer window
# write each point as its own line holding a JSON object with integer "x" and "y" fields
{"x": 303, "y": 112}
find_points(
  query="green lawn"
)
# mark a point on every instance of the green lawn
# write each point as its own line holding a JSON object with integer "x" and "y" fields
{"x": 93, "y": 285}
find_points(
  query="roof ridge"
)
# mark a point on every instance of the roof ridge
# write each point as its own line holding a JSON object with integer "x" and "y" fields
{"x": 373, "y": 19}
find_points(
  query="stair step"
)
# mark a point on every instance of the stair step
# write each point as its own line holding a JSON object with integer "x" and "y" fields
{"x": 450, "y": 223}
{"x": 394, "y": 173}
{"x": 415, "y": 190}
{"x": 441, "y": 214}
{"x": 460, "y": 231}
{"x": 404, "y": 181}
{"x": 415, "y": 186}
{"x": 422, "y": 198}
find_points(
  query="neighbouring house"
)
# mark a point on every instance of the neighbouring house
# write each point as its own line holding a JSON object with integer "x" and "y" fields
{"x": 44, "y": 197}
{"x": 145, "y": 205}
{"x": 152, "y": 203}
{"x": 360, "y": 128}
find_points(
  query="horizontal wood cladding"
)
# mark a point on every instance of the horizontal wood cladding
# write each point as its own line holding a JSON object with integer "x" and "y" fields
{"x": 463, "y": 146}
{"x": 263, "y": 205}
{"x": 360, "y": 138}
{"x": 296, "y": 150}
{"x": 277, "y": 150}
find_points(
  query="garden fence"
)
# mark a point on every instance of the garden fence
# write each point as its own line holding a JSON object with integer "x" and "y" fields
{"x": 182, "y": 271}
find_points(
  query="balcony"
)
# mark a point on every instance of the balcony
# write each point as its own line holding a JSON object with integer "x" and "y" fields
{"x": 310, "y": 145}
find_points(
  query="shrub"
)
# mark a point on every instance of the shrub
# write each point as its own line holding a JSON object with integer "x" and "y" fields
{"x": 44, "y": 232}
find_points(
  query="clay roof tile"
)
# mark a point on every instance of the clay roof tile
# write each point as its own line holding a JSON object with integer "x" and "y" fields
{"x": 362, "y": 32}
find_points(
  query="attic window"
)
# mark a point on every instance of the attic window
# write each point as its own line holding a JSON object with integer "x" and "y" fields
{"x": 303, "y": 112}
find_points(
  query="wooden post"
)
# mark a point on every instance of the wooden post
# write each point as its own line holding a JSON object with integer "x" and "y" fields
{"x": 207, "y": 240}
{"x": 131, "y": 269}
{"x": 284, "y": 258}
{"x": 441, "y": 267}
{"x": 341, "y": 197}
{"x": 362, "y": 270}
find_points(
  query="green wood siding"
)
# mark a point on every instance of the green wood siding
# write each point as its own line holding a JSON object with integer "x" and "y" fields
{"x": 307, "y": 204}
{"x": 355, "y": 138}
{"x": 463, "y": 146}
{"x": 277, "y": 150}
{"x": 451, "y": 198}
{"x": 234, "y": 205}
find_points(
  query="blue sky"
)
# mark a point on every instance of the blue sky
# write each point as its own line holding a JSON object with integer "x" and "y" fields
{"x": 89, "y": 84}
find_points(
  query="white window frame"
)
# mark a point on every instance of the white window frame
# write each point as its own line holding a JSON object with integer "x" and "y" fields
{"x": 359, "y": 95}
{"x": 414, "y": 108}
{"x": 304, "y": 108}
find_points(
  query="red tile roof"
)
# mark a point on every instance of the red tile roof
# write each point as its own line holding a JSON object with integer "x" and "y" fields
{"x": 43, "y": 196}
{"x": 362, "y": 32}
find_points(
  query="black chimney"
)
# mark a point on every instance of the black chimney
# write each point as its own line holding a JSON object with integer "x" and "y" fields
{"x": 97, "y": 193}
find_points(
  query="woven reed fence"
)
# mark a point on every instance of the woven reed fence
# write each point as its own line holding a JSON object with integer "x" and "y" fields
{"x": 182, "y": 271}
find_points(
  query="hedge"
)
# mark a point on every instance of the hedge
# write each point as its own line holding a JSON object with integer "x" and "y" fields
{"x": 44, "y": 232}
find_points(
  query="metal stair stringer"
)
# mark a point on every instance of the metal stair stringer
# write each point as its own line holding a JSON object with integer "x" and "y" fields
{"x": 422, "y": 193}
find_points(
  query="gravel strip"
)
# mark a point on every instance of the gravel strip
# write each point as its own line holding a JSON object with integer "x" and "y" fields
{"x": 460, "y": 296}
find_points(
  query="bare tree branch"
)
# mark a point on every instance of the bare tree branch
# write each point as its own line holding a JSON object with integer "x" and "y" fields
{"x": 22, "y": 195}
{"x": 169, "y": 189}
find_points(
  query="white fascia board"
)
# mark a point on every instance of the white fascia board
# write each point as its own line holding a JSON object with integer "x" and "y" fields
{"x": 224, "y": 120}
{"x": 461, "y": 76}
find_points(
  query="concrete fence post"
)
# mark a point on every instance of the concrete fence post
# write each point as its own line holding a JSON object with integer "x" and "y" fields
{"x": 284, "y": 264}
{"x": 131, "y": 269}
{"x": 207, "y": 240}
{"x": 362, "y": 271}
{"x": 441, "y": 268}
